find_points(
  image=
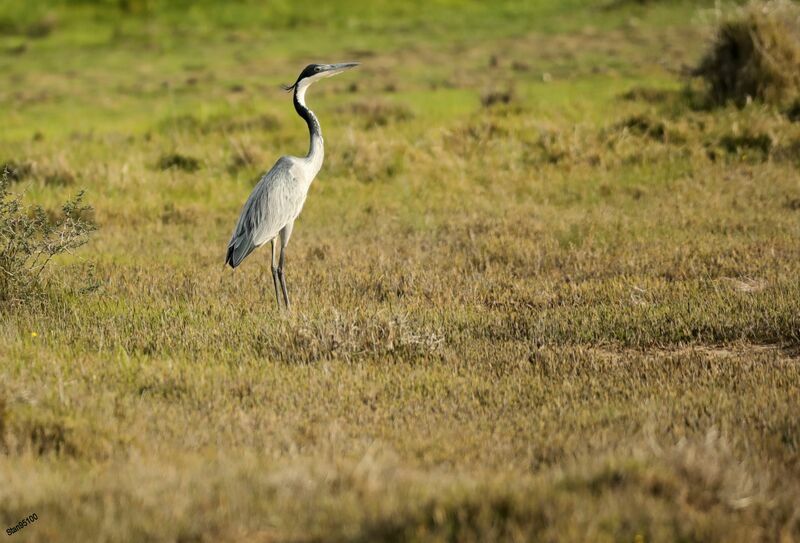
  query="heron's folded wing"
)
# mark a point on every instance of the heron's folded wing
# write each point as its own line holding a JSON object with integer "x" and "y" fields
{"x": 264, "y": 213}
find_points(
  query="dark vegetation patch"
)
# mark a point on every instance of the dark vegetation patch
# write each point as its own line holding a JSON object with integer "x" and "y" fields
{"x": 644, "y": 126}
{"x": 59, "y": 178}
{"x": 465, "y": 137}
{"x": 368, "y": 160}
{"x": 41, "y": 434}
{"x": 219, "y": 124}
{"x": 520, "y": 66}
{"x": 52, "y": 434}
{"x": 52, "y": 437}
{"x": 178, "y": 161}
{"x": 18, "y": 49}
{"x": 263, "y": 122}
{"x": 703, "y": 475}
{"x": 627, "y": 4}
{"x": 171, "y": 214}
{"x": 4, "y": 416}
{"x": 555, "y": 147}
{"x": 755, "y": 134}
{"x": 34, "y": 28}
{"x": 42, "y": 27}
{"x": 166, "y": 388}
{"x": 793, "y": 111}
{"x": 498, "y": 97}
{"x": 53, "y": 175}
{"x": 736, "y": 144}
{"x": 671, "y": 103}
{"x": 16, "y": 171}
{"x": 243, "y": 156}
{"x": 789, "y": 152}
{"x": 475, "y": 517}
{"x": 755, "y": 56}
{"x": 647, "y": 94}
{"x": 375, "y": 112}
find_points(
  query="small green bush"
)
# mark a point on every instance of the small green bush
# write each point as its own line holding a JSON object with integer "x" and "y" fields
{"x": 30, "y": 237}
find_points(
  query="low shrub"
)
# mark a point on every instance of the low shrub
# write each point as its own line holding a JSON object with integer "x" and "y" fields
{"x": 30, "y": 237}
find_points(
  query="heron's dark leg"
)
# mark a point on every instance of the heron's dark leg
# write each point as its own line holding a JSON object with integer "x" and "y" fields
{"x": 282, "y": 278}
{"x": 285, "y": 233}
{"x": 275, "y": 274}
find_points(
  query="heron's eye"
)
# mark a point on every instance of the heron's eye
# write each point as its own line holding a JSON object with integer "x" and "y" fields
{"x": 317, "y": 69}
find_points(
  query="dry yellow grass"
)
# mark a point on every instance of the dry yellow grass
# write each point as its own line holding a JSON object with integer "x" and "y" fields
{"x": 573, "y": 316}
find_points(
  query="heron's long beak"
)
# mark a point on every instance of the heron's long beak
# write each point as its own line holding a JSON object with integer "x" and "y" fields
{"x": 333, "y": 69}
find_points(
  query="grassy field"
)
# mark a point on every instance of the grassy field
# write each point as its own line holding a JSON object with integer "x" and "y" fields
{"x": 539, "y": 291}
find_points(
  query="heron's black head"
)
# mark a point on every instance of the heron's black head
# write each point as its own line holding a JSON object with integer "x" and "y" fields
{"x": 315, "y": 72}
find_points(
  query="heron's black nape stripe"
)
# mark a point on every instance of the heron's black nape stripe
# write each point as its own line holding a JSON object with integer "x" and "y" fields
{"x": 308, "y": 116}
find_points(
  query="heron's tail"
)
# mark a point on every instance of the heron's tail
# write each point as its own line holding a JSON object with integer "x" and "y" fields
{"x": 237, "y": 253}
{"x": 229, "y": 257}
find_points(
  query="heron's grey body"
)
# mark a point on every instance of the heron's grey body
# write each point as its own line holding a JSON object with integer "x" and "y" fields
{"x": 278, "y": 198}
{"x": 272, "y": 207}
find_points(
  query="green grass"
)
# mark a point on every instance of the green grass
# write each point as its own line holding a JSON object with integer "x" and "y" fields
{"x": 575, "y": 316}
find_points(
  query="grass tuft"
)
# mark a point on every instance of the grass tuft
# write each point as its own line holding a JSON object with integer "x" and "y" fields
{"x": 16, "y": 171}
{"x": 498, "y": 97}
{"x": 178, "y": 161}
{"x": 755, "y": 56}
{"x": 375, "y": 112}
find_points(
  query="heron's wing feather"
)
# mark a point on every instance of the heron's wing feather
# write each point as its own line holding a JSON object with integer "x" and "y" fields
{"x": 266, "y": 211}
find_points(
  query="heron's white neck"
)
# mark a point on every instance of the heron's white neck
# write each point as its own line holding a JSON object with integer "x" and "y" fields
{"x": 316, "y": 150}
